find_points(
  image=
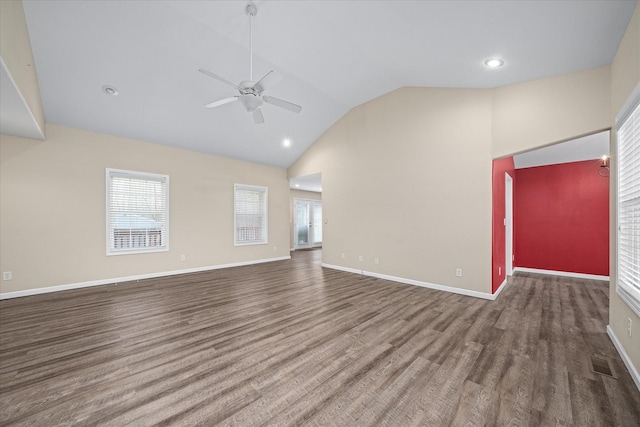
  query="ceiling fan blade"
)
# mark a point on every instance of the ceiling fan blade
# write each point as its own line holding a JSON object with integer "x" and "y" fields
{"x": 282, "y": 104}
{"x": 217, "y": 77}
{"x": 266, "y": 81}
{"x": 257, "y": 116}
{"x": 221, "y": 102}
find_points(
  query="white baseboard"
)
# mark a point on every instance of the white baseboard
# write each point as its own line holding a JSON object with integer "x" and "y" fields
{"x": 500, "y": 288}
{"x": 625, "y": 357}
{"x": 58, "y": 288}
{"x": 562, "y": 273}
{"x": 338, "y": 267}
{"x": 460, "y": 291}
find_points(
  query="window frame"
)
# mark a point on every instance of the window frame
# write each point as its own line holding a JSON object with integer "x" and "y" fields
{"x": 109, "y": 174}
{"x": 265, "y": 217}
{"x": 631, "y": 111}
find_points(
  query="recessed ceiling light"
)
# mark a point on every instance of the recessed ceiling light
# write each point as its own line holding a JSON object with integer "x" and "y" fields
{"x": 110, "y": 90}
{"x": 286, "y": 142}
{"x": 494, "y": 63}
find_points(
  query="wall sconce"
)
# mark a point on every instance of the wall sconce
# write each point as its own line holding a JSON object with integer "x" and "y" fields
{"x": 604, "y": 166}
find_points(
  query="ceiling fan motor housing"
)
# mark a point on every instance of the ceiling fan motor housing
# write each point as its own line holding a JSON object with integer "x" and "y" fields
{"x": 248, "y": 88}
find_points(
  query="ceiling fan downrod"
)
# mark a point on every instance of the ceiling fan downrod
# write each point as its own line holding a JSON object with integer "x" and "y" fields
{"x": 252, "y": 11}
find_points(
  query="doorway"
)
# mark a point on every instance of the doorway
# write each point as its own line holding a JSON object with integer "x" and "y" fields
{"x": 308, "y": 224}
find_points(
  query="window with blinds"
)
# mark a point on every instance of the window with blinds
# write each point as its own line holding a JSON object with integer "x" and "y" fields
{"x": 250, "y": 214}
{"x": 137, "y": 212}
{"x": 628, "y": 199}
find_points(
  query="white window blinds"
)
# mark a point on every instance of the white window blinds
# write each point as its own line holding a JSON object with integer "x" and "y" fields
{"x": 137, "y": 212}
{"x": 628, "y": 259}
{"x": 250, "y": 213}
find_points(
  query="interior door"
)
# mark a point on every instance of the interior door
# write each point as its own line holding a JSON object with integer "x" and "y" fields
{"x": 302, "y": 224}
{"x": 308, "y": 224}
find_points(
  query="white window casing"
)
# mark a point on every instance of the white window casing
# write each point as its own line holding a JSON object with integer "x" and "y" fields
{"x": 137, "y": 212}
{"x": 628, "y": 203}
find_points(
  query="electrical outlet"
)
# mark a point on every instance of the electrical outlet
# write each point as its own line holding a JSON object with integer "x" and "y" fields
{"x": 376, "y": 261}
{"x": 629, "y": 325}
{"x": 275, "y": 248}
{"x": 6, "y": 275}
{"x": 342, "y": 255}
{"x": 458, "y": 272}
{"x": 183, "y": 257}
{"x": 360, "y": 258}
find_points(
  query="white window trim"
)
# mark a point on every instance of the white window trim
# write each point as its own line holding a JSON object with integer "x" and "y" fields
{"x": 629, "y": 295}
{"x": 159, "y": 177}
{"x": 237, "y": 187}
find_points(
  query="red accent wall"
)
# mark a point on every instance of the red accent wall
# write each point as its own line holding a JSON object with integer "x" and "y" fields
{"x": 562, "y": 218}
{"x": 500, "y": 167}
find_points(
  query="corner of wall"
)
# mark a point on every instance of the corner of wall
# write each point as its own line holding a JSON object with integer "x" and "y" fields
{"x": 15, "y": 51}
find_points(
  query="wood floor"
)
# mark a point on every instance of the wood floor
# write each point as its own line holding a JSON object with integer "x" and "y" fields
{"x": 290, "y": 343}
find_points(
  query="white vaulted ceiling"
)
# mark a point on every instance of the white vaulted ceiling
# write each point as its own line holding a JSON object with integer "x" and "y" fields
{"x": 331, "y": 55}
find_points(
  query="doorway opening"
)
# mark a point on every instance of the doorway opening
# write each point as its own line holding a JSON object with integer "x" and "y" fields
{"x": 306, "y": 212}
{"x": 557, "y": 219}
{"x": 307, "y": 224}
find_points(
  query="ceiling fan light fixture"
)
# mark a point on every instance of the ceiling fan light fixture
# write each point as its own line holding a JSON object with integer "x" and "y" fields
{"x": 250, "y": 102}
{"x": 286, "y": 142}
{"x": 494, "y": 63}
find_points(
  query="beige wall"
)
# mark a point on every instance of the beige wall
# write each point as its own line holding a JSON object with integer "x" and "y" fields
{"x": 52, "y": 215}
{"x": 15, "y": 50}
{"x": 546, "y": 111}
{"x": 406, "y": 178}
{"x": 625, "y": 72}
{"x": 299, "y": 194}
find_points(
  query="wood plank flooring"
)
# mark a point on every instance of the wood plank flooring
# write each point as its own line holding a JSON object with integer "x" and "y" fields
{"x": 290, "y": 343}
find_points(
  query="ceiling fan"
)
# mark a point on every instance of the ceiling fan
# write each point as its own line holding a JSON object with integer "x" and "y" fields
{"x": 251, "y": 94}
